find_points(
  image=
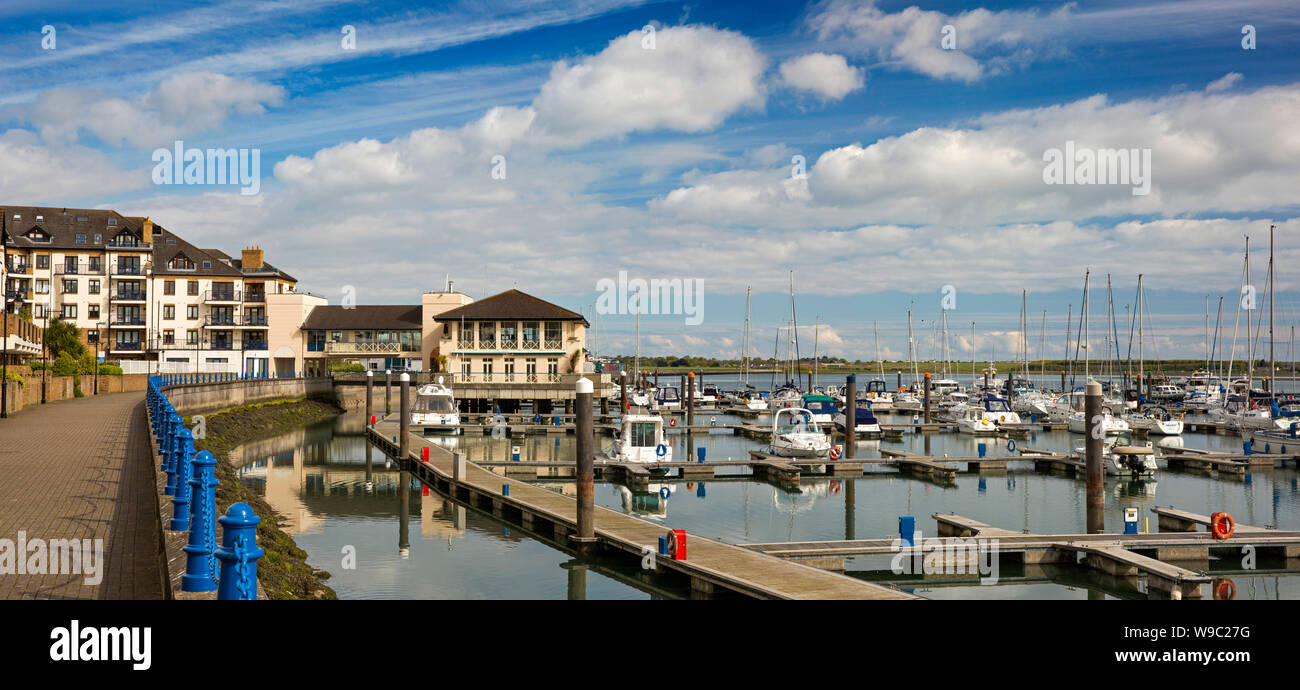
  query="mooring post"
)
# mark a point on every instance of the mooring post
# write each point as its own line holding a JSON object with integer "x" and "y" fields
{"x": 622, "y": 383}
{"x": 239, "y": 553}
{"x": 200, "y": 550}
{"x": 403, "y": 445}
{"x": 1011, "y": 391}
{"x": 178, "y": 480}
{"x": 586, "y": 467}
{"x": 388, "y": 392}
{"x": 850, "y": 414}
{"x": 810, "y": 381}
{"x": 1093, "y": 422}
{"x": 1062, "y": 380}
{"x": 926, "y": 383}
{"x": 370, "y": 389}
{"x": 686, "y": 394}
{"x": 403, "y": 513}
{"x": 690, "y": 402}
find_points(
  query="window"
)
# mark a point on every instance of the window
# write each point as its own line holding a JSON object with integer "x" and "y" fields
{"x": 69, "y": 311}
{"x": 81, "y": 238}
{"x": 93, "y": 288}
{"x": 531, "y": 335}
{"x": 94, "y": 264}
{"x": 180, "y": 262}
{"x": 42, "y": 287}
{"x": 92, "y": 336}
{"x": 553, "y": 334}
{"x": 42, "y": 260}
{"x": 192, "y": 287}
{"x": 192, "y": 311}
{"x": 169, "y": 336}
{"x": 169, "y": 311}
{"x": 92, "y": 311}
{"x": 207, "y": 264}
{"x": 83, "y": 219}
{"x": 643, "y": 434}
{"x": 191, "y": 337}
{"x": 112, "y": 221}
{"x": 69, "y": 264}
{"x": 70, "y": 286}
{"x": 98, "y": 238}
{"x": 38, "y": 311}
{"x": 508, "y": 331}
{"x": 169, "y": 287}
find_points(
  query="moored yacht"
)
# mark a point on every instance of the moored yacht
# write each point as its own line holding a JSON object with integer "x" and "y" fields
{"x": 435, "y": 409}
{"x": 796, "y": 435}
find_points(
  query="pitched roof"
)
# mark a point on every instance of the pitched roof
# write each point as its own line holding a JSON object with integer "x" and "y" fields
{"x": 62, "y": 225}
{"x": 381, "y": 317}
{"x": 511, "y": 304}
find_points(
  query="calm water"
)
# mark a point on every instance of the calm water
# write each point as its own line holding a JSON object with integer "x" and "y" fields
{"x": 317, "y": 477}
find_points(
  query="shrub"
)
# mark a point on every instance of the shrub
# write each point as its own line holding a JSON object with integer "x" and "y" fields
{"x": 347, "y": 366}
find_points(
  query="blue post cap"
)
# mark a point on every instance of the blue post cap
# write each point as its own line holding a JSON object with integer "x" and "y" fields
{"x": 204, "y": 457}
{"x": 239, "y": 515}
{"x": 853, "y": 378}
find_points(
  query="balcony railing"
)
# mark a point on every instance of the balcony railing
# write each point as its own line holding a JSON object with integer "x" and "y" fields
{"x": 255, "y": 345}
{"x": 128, "y": 270}
{"x": 129, "y": 295}
{"x": 361, "y": 348}
{"x": 254, "y": 296}
{"x": 553, "y": 344}
{"x": 487, "y": 344}
{"x": 112, "y": 244}
{"x": 221, "y": 296}
{"x": 508, "y": 345}
{"x": 252, "y": 320}
{"x": 498, "y": 377}
{"x": 78, "y": 270}
{"x": 23, "y": 269}
{"x": 121, "y": 346}
{"x": 127, "y": 321}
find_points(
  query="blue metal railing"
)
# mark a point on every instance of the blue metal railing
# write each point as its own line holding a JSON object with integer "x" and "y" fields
{"x": 191, "y": 482}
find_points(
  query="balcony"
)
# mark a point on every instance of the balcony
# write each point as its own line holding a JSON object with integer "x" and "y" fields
{"x": 510, "y": 345}
{"x": 128, "y": 270}
{"x": 255, "y": 345}
{"x": 126, "y": 322}
{"x": 219, "y": 321}
{"x": 254, "y": 296}
{"x": 128, "y": 296}
{"x": 124, "y": 346}
{"x": 516, "y": 377}
{"x": 252, "y": 320}
{"x": 17, "y": 269}
{"x": 221, "y": 296}
{"x": 78, "y": 270}
{"x": 369, "y": 348}
{"x": 114, "y": 245}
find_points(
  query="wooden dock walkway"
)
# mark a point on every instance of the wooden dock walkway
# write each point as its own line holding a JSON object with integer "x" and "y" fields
{"x": 711, "y": 565}
{"x": 1120, "y": 555}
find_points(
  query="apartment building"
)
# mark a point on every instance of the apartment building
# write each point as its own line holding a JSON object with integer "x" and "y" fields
{"x": 141, "y": 295}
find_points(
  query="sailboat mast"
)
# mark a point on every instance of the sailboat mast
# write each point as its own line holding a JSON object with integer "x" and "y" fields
{"x": 879, "y": 362}
{"x": 1272, "y": 364}
{"x": 1141, "y": 357}
{"x": 794, "y": 332}
{"x": 744, "y": 355}
{"x": 817, "y": 328}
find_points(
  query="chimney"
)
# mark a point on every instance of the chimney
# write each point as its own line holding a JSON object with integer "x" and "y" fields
{"x": 252, "y": 258}
{"x": 147, "y": 234}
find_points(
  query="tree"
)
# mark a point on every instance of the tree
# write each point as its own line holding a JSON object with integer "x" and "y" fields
{"x": 61, "y": 337}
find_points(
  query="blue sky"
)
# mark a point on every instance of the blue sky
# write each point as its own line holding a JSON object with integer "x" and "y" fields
{"x": 675, "y": 159}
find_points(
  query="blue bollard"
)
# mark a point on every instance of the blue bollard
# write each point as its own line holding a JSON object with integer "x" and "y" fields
{"x": 663, "y": 546}
{"x": 239, "y": 553}
{"x": 505, "y": 489}
{"x": 983, "y": 449}
{"x": 178, "y": 481}
{"x": 173, "y": 455}
{"x": 699, "y": 490}
{"x": 983, "y": 487}
{"x": 200, "y": 551}
{"x": 1247, "y": 446}
{"x": 1033, "y": 417}
{"x": 699, "y": 452}
{"x": 165, "y": 442}
{"x": 907, "y": 529}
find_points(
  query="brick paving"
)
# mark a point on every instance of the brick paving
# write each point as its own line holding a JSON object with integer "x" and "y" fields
{"x": 82, "y": 469}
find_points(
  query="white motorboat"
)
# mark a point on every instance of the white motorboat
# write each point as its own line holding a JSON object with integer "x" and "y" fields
{"x": 1121, "y": 458}
{"x": 783, "y": 397}
{"x": 796, "y": 435}
{"x": 435, "y": 409}
{"x": 641, "y": 439}
{"x": 667, "y": 398}
{"x": 999, "y": 411}
{"x": 1110, "y": 424}
{"x": 878, "y": 395}
{"x": 972, "y": 419}
{"x": 823, "y": 408}
{"x": 906, "y": 401}
{"x": 1155, "y": 420}
{"x": 865, "y": 422}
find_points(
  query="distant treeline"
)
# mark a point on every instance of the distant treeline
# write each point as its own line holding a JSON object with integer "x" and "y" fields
{"x": 1051, "y": 366}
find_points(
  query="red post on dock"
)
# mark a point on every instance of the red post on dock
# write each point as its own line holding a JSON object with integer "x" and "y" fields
{"x": 424, "y": 454}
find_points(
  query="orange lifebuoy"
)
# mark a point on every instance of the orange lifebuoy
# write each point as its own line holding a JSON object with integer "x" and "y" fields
{"x": 1221, "y": 525}
{"x": 1225, "y": 590}
{"x": 835, "y": 452}
{"x": 672, "y": 422}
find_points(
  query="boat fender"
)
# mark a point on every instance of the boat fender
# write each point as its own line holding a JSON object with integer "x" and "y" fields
{"x": 1011, "y": 445}
{"x": 661, "y": 450}
{"x": 1221, "y": 525}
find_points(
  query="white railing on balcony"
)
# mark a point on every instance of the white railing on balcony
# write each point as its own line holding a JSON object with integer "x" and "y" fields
{"x": 487, "y": 344}
{"x": 532, "y": 345}
{"x": 363, "y": 348}
{"x": 554, "y": 345}
{"x": 465, "y": 344}
{"x": 498, "y": 377}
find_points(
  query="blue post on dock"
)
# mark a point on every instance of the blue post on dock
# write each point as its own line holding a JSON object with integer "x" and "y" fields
{"x": 178, "y": 478}
{"x": 200, "y": 551}
{"x": 239, "y": 553}
{"x": 907, "y": 529}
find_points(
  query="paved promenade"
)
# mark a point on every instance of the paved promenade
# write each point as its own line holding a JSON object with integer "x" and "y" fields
{"x": 81, "y": 469}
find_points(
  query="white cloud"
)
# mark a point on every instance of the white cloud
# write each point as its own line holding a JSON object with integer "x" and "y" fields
{"x": 31, "y": 173}
{"x": 1223, "y": 83}
{"x": 828, "y": 76}
{"x": 183, "y": 105}
{"x": 693, "y": 79}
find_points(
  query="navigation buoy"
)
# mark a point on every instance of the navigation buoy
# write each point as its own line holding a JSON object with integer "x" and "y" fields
{"x": 835, "y": 452}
